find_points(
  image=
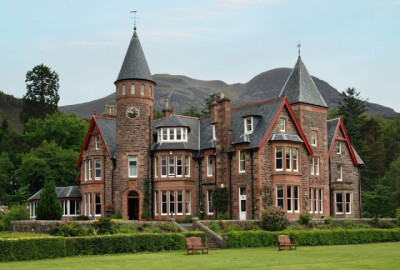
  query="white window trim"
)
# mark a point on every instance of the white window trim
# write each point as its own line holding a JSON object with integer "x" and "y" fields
{"x": 95, "y": 204}
{"x": 297, "y": 159}
{"x": 251, "y": 124}
{"x": 183, "y": 133}
{"x": 90, "y": 169}
{"x": 341, "y": 173}
{"x": 290, "y": 159}
{"x": 339, "y": 148}
{"x": 210, "y": 167}
{"x": 290, "y": 200}
{"x": 133, "y": 89}
{"x": 316, "y": 165}
{"x": 282, "y": 120}
{"x": 176, "y": 161}
{"x": 95, "y": 169}
{"x": 177, "y": 202}
{"x": 242, "y": 170}
{"x": 298, "y": 199}
{"x": 283, "y": 196}
{"x": 142, "y": 90}
{"x": 311, "y": 200}
{"x": 276, "y": 168}
{"x": 209, "y": 200}
{"x": 86, "y": 170}
{"x": 170, "y": 202}
{"x": 312, "y": 138}
{"x": 343, "y": 204}
{"x": 173, "y": 166}
{"x": 188, "y": 211}
{"x": 156, "y": 199}
{"x": 97, "y": 142}
{"x": 187, "y": 166}
{"x": 156, "y": 167}
{"x": 312, "y": 166}
{"x": 166, "y": 202}
{"x": 130, "y": 175}
{"x": 321, "y": 201}
{"x": 166, "y": 166}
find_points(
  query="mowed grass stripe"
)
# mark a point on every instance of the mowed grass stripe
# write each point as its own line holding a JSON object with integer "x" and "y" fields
{"x": 369, "y": 256}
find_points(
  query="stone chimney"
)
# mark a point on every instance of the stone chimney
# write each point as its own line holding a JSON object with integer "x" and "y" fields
{"x": 166, "y": 111}
{"x": 214, "y": 110}
{"x": 224, "y": 138}
{"x": 111, "y": 110}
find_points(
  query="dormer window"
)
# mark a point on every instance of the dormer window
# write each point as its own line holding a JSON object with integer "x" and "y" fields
{"x": 214, "y": 133}
{"x": 248, "y": 125}
{"x": 172, "y": 134}
{"x": 282, "y": 125}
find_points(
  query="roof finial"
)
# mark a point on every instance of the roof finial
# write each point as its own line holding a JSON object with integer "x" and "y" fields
{"x": 299, "y": 46}
{"x": 134, "y": 19}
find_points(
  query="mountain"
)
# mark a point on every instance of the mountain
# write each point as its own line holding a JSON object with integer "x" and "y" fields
{"x": 10, "y": 108}
{"x": 184, "y": 92}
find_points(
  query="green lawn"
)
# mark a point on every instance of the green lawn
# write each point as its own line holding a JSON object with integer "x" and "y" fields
{"x": 20, "y": 235}
{"x": 370, "y": 256}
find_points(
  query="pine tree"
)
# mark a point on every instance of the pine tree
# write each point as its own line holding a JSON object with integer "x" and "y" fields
{"x": 49, "y": 207}
{"x": 41, "y": 97}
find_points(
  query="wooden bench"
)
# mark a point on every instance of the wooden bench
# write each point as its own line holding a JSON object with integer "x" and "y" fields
{"x": 284, "y": 241}
{"x": 194, "y": 243}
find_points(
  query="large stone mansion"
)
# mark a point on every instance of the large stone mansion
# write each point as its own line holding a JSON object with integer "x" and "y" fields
{"x": 282, "y": 152}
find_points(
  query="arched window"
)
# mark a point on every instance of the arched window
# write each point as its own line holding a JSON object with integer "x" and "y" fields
{"x": 142, "y": 89}
{"x": 133, "y": 194}
{"x": 133, "y": 89}
{"x": 123, "y": 90}
{"x": 150, "y": 91}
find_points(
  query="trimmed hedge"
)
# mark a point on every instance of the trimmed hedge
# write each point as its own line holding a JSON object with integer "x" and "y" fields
{"x": 313, "y": 238}
{"x": 31, "y": 249}
{"x": 54, "y": 247}
{"x": 195, "y": 233}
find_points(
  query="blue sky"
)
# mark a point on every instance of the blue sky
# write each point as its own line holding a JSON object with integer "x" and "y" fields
{"x": 346, "y": 43}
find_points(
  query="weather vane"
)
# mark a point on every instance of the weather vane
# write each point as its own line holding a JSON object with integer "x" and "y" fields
{"x": 299, "y": 46}
{"x": 134, "y": 18}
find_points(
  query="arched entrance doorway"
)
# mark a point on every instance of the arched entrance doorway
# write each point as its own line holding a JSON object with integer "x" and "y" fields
{"x": 133, "y": 205}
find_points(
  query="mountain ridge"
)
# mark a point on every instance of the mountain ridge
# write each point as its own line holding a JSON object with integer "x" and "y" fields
{"x": 184, "y": 92}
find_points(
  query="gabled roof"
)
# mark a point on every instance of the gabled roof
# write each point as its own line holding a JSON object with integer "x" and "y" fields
{"x": 62, "y": 192}
{"x": 171, "y": 121}
{"x": 300, "y": 87}
{"x": 334, "y": 125}
{"x": 107, "y": 129}
{"x": 135, "y": 64}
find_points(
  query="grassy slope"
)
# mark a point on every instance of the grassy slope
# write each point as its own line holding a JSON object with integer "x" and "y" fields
{"x": 371, "y": 256}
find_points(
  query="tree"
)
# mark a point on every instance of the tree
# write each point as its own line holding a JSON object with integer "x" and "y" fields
{"x": 49, "y": 207}
{"x": 65, "y": 130}
{"x": 41, "y": 97}
{"x": 48, "y": 162}
{"x": 192, "y": 111}
{"x": 6, "y": 176}
{"x": 352, "y": 109}
{"x": 220, "y": 199}
{"x": 392, "y": 180}
{"x": 208, "y": 101}
{"x": 378, "y": 202}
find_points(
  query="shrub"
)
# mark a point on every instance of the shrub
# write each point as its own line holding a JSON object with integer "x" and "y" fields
{"x": 214, "y": 227}
{"x": 349, "y": 224}
{"x": 220, "y": 199}
{"x": 74, "y": 229}
{"x": 189, "y": 219}
{"x": 2, "y": 225}
{"x": 104, "y": 226}
{"x": 117, "y": 215}
{"x": 329, "y": 221}
{"x": 169, "y": 227}
{"x": 274, "y": 219}
{"x": 82, "y": 217}
{"x": 304, "y": 218}
{"x": 3, "y": 211}
{"x": 49, "y": 207}
{"x": 313, "y": 237}
{"x": 17, "y": 212}
{"x": 222, "y": 217}
{"x": 398, "y": 216}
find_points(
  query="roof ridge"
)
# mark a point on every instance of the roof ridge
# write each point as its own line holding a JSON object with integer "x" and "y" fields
{"x": 105, "y": 117}
{"x": 257, "y": 103}
{"x": 337, "y": 118}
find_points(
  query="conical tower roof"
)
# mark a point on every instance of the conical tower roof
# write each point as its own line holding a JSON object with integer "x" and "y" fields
{"x": 300, "y": 87}
{"x": 135, "y": 64}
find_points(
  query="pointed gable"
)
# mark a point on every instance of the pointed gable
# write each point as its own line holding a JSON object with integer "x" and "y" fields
{"x": 107, "y": 129}
{"x": 300, "y": 87}
{"x": 135, "y": 64}
{"x": 336, "y": 127}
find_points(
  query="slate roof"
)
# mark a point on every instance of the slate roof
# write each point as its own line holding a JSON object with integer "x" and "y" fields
{"x": 62, "y": 193}
{"x": 332, "y": 124}
{"x": 107, "y": 128}
{"x": 263, "y": 114}
{"x": 193, "y": 124}
{"x": 300, "y": 87}
{"x": 358, "y": 158}
{"x": 135, "y": 64}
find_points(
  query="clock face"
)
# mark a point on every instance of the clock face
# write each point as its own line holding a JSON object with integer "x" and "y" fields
{"x": 132, "y": 112}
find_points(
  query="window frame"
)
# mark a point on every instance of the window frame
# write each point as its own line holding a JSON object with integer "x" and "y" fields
{"x": 348, "y": 203}
{"x": 276, "y": 158}
{"x": 210, "y": 166}
{"x": 164, "y": 203}
{"x": 171, "y": 202}
{"x": 97, "y": 195}
{"x": 312, "y": 166}
{"x": 336, "y": 203}
{"x": 246, "y": 125}
{"x": 156, "y": 199}
{"x": 171, "y": 165}
{"x": 210, "y": 205}
{"x": 339, "y": 173}
{"x": 133, "y": 87}
{"x": 156, "y": 167}
{"x": 214, "y": 132}
{"x": 316, "y": 165}
{"x": 288, "y": 160}
{"x": 295, "y": 161}
{"x": 171, "y": 134}
{"x": 282, "y": 121}
{"x": 242, "y": 161}
{"x": 179, "y": 167}
{"x": 97, "y": 169}
{"x": 133, "y": 158}
{"x": 86, "y": 170}
{"x": 90, "y": 170}
{"x": 142, "y": 89}
{"x": 179, "y": 202}
{"x": 187, "y": 166}
{"x": 97, "y": 142}
{"x": 123, "y": 90}
{"x": 314, "y": 138}
{"x": 164, "y": 166}
{"x": 188, "y": 202}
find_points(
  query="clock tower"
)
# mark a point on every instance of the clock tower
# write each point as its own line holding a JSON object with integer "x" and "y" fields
{"x": 135, "y": 98}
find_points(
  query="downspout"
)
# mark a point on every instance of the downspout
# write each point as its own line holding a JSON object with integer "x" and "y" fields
{"x": 252, "y": 183}
{"x": 230, "y": 187}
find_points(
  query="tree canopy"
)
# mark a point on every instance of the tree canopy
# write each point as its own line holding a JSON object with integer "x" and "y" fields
{"x": 41, "y": 97}
{"x": 49, "y": 207}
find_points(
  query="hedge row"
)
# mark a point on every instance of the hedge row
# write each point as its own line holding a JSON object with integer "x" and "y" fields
{"x": 313, "y": 238}
{"x": 46, "y": 248}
